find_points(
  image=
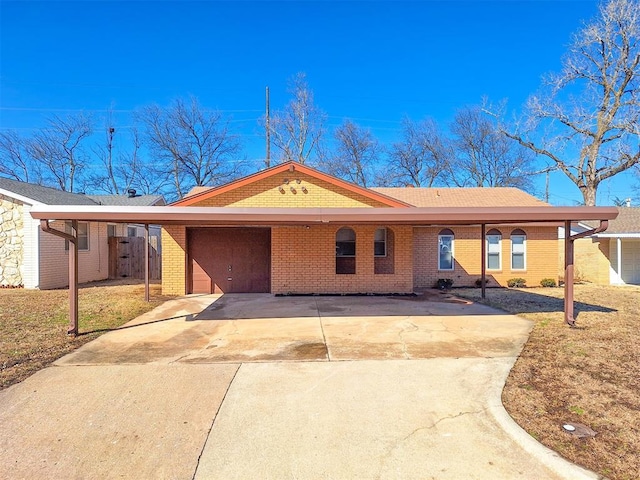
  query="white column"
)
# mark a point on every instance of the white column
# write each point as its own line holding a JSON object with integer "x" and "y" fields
{"x": 619, "y": 242}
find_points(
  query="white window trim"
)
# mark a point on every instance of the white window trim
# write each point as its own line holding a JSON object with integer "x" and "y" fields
{"x": 524, "y": 253}
{"x": 499, "y": 254}
{"x": 380, "y": 241}
{"x": 453, "y": 257}
{"x": 66, "y": 242}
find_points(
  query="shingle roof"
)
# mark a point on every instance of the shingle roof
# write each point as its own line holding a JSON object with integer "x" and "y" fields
{"x": 462, "y": 197}
{"x": 449, "y": 197}
{"x": 628, "y": 221}
{"x": 46, "y": 195}
{"x": 51, "y": 196}
{"x": 124, "y": 200}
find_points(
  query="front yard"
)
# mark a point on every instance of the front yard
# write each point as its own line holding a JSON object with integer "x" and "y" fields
{"x": 589, "y": 375}
{"x": 33, "y": 323}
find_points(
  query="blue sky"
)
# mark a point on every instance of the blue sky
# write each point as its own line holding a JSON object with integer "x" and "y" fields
{"x": 372, "y": 62}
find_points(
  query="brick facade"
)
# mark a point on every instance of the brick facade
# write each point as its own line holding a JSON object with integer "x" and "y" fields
{"x": 303, "y": 258}
{"x": 540, "y": 258}
{"x": 275, "y": 192}
{"x": 174, "y": 260}
{"x": 591, "y": 260}
{"x": 304, "y": 261}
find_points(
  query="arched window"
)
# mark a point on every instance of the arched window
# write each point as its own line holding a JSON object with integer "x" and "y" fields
{"x": 518, "y": 250}
{"x": 345, "y": 251}
{"x": 445, "y": 250}
{"x": 494, "y": 249}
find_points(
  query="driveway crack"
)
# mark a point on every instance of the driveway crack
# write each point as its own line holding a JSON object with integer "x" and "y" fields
{"x": 412, "y": 328}
{"x": 396, "y": 444}
{"x": 324, "y": 338}
{"x": 213, "y": 421}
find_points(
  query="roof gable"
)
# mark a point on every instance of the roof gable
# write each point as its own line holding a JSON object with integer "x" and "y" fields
{"x": 289, "y": 185}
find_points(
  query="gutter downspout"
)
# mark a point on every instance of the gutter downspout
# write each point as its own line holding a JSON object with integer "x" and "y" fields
{"x": 483, "y": 261}
{"x": 73, "y": 270}
{"x": 146, "y": 262}
{"x": 568, "y": 265}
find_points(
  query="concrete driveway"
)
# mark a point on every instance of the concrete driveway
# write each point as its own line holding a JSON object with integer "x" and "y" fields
{"x": 256, "y": 386}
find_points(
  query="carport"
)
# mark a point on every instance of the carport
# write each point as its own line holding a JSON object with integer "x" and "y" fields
{"x": 265, "y": 217}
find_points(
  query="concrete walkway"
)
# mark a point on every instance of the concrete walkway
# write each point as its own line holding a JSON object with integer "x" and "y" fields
{"x": 254, "y": 386}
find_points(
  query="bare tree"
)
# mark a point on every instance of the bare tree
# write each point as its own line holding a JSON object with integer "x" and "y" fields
{"x": 356, "y": 154}
{"x": 122, "y": 167}
{"x": 421, "y": 158}
{"x": 298, "y": 129}
{"x": 592, "y": 107}
{"x": 484, "y": 157}
{"x": 195, "y": 144}
{"x": 15, "y": 161}
{"x": 59, "y": 150}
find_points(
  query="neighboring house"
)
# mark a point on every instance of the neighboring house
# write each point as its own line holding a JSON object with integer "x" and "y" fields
{"x": 349, "y": 258}
{"x": 611, "y": 257}
{"x": 31, "y": 259}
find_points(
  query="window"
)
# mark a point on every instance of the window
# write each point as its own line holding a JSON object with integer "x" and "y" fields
{"x": 380, "y": 243}
{"x": 383, "y": 251}
{"x": 83, "y": 235}
{"x": 445, "y": 250}
{"x": 345, "y": 243}
{"x": 494, "y": 247}
{"x": 132, "y": 231}
{"x": 111, "y": 230}
{"x": 345, "y": 251}
{"x": 518, "y": 250}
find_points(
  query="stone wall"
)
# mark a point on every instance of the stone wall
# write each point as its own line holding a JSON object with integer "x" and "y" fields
{"x": 11, "y": 243}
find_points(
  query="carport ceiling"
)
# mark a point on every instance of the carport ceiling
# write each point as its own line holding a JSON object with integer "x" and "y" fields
{"x": 311, "y": 216}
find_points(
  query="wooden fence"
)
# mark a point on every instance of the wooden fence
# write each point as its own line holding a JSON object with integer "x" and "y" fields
{"x": 126, "y": 258}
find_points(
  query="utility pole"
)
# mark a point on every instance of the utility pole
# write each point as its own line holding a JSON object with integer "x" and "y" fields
{"x": 546, "y": 190}
{"x": 267, "y": 160}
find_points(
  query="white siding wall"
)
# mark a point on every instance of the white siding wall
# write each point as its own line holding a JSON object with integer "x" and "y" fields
{"x": 30, "y": 264}
{"x": 93, "y": 264}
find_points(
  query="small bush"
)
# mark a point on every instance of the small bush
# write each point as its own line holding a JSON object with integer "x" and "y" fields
{"x": 548, "y": 282}
{"x": 444, "y": 283}
{"x": 517, "y": 282}
{"x": 479, "y": 282}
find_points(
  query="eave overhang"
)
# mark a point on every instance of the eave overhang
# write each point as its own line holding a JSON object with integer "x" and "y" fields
{"x": 232, "y": 216}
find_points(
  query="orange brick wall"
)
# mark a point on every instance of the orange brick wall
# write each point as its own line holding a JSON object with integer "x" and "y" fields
{"x": 174, "y": 260}
{"x": 303, "y": 261}
{"x": 541, "y": 256}
{"x": 591, "y": 260}
{"x": 265, "y": 193}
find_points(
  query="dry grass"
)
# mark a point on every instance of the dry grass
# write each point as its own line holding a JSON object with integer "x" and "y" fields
{"x": 33, "y": 323}
{"x": 589, "y": 375}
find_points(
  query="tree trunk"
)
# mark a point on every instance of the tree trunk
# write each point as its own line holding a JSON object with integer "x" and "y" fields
{"x": 589, "y": 195}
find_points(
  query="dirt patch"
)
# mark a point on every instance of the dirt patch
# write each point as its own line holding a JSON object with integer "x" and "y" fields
{"x": 33, "y": 323}
{"x": 588, "y": 375}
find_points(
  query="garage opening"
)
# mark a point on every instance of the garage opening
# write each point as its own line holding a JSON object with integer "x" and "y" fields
{"x": 229, "y": 260}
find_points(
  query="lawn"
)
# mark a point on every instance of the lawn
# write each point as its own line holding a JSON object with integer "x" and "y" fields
{"x": 589, "y": 375}
{"x": 33, "y": 323}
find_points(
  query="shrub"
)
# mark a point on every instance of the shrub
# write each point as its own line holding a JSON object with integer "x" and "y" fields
{"x": 479, "y": 282}
{"x": 548, "y": 282}
{"x": 517, "y": 282}
{"x": 444, "y": 283}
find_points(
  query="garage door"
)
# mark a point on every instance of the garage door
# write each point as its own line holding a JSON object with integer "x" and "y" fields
{"x": 229, "y": 260}
{"x": 631, "y": 260}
